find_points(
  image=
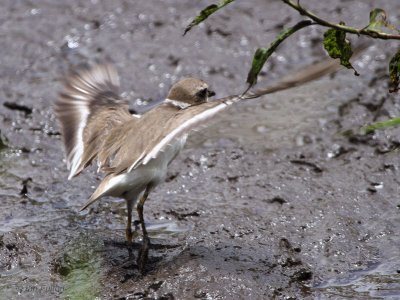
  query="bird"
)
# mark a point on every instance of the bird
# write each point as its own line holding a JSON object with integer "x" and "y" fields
{"x": 134, "y": 150}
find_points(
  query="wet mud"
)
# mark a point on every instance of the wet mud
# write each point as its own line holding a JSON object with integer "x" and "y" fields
{"x": 269, "y": 201}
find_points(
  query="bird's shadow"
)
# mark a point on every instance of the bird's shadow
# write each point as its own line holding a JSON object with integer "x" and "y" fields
{"x": 121, "y": 255}
{"x": 166, "y": 257}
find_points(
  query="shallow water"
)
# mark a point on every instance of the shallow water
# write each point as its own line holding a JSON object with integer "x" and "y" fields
{"x": 377, "y": 281}
{"x": 267, "y": 202}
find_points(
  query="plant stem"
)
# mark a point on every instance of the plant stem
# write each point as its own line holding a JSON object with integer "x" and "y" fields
{"x": 372, "y": 33}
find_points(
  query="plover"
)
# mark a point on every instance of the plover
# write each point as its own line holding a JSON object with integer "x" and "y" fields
{"x": 134, "y": 151}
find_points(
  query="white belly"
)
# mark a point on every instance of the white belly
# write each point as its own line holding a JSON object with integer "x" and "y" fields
{"x": 131, "y": 185}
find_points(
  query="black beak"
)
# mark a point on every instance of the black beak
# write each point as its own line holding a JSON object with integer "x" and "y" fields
{"x": 210, "y": 93}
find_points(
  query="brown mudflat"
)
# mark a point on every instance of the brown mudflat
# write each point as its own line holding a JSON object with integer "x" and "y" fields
{"x": 267, "y": 202}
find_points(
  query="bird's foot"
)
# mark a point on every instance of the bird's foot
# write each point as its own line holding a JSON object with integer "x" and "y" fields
{"x": 143, "y": 255}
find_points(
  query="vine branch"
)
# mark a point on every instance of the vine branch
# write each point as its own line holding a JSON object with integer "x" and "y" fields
{"x": 334, "y": 42}
{"x": 363, "y": 31}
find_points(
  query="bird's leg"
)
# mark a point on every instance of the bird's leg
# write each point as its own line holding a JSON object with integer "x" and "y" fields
{"x": 128, "y": 231}
{"x": 144, "y": 251}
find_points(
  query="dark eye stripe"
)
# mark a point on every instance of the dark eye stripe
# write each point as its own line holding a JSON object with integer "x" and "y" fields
{"x": 202, "y": 93}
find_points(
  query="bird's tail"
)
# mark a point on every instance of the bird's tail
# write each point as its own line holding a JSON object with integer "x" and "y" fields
{"x": 101, "y": 191}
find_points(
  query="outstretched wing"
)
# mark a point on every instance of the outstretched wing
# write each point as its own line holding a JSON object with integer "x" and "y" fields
{"x": 182, "y": 123}
{"x": 87, "y": 109}
{"x": 174, "y": 123}
{"x": 192, "y": 117}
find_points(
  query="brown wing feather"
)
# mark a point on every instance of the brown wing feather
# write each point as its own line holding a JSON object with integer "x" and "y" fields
{"x": 184, "y": 122}
{"x": 90, "y": 93}
{"x": 96, "y": 133}
{"x": 132, "y": 140}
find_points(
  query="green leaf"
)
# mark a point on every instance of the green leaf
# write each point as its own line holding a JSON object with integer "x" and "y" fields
{"x": 337, "y": 46}
{"x": 262, "y": 54}
{"x": 259, "y": 59}
{"x": 377, "y": 21}
{"x": 205, "y": 13}
{"x": 394, "y": 72}
{"x": 381, "y": 125}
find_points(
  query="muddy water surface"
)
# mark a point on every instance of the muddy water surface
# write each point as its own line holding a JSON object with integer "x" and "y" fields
{"x": 268, "y": 202}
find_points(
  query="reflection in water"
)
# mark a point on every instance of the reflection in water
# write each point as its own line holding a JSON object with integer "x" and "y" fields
{"x": 165, "y": 229}
{"x": 378, "y": 280}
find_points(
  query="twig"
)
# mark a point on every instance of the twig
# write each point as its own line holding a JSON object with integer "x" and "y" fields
{"x": 302, "y": 76}
{"x": 363, "y": 31}
{"x": 263, "y": 54}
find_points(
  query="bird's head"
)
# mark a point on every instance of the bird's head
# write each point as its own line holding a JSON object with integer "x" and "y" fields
{"x": 191, "y": 91}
